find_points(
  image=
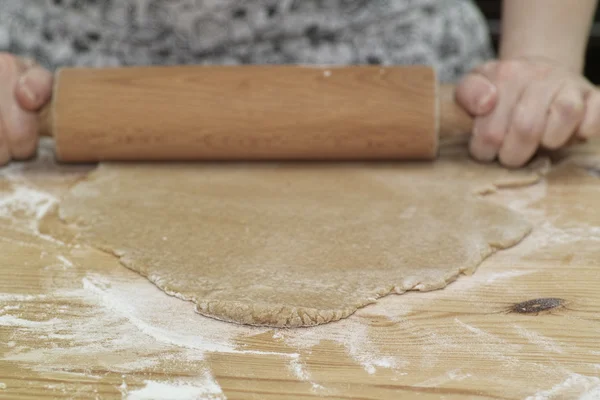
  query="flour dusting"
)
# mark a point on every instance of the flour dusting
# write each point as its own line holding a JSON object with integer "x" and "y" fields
{"x": 10, "y": 320}
{"x": 204, "y": 388}
{"x": 455, "y": 375}
{"x": 493, "y": 277}
{"x": 535, "y": 338}
{"x": 575, "y": 386}
{"x": 352, "y": 334}
{"x": 27, "y": 201}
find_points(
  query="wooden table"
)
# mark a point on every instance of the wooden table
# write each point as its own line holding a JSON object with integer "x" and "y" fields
{"x": 74, "y": 323}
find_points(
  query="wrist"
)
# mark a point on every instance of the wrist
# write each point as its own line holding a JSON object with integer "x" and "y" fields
{"x": 571, "y": 62}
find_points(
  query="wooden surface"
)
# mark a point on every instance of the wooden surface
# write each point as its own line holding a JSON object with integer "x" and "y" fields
{"x": 205, "y": 112}
{"x": 76, "y": 324}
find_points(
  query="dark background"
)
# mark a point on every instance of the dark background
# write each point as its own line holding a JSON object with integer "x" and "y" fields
{"x": 491, "y": 9}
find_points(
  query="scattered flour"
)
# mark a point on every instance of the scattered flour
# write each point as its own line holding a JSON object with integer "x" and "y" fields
{"x": 352, "y": 334}
{"x": 27, "y": 200}
{"x": 6, "y": 297}
{"x": 495, "y": 347}
{"x": 575, "y": 386}
{"x": 535, "y": 338}
{"x": 2, "y": 386}
{"x": 65, "y": 261}
{"x": 491, "y": 278}
{"x": 451, "y": 376}
{"x": 299, "y": 369}
{"x": 189, "y": 332}
{"x": 10, "y": 320}
{"x": 206, "y": 388}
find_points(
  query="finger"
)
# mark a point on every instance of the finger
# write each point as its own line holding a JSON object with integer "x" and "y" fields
{"x": 19, "y": 127}
{"x": 21, "y": 131}
{"x": 528, "y": 123}
{"x": 476, "y": 94}
{"x": 590, "y": 126}
{"x": 34, "y": 88}
{"x": 489, "y": 131}
{"x": 565, "y": 115}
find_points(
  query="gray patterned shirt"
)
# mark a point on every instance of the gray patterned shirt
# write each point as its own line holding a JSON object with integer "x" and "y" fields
{"x": 448, "y": 34}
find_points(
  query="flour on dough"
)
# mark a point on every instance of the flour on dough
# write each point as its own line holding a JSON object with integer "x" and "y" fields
{"x": 293, "y": 245}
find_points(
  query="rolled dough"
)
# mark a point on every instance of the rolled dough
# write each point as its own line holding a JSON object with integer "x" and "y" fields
{"x": 295, "y": 244}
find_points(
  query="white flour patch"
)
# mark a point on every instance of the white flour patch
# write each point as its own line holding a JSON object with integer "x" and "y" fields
{"x": 3, "y": 386}
{"x": 298, "y": 369}
{"x": 535, "y": 338}
{"x": 205, "y": 388}
{"x": 21, "y": 297}
{"x": 352, "y": 334}
{"x": 592, "y": 394}
{"x": 65, "y": 261}
{"x": 10, "y": 320}
{"x": 493, "y": 277}
{"x": 31, "y": 202}
{"x": 575, "y": 386}
{"x": 546, "y": 234}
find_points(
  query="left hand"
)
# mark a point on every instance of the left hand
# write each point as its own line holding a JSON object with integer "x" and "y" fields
{"x": 522, "y": 104}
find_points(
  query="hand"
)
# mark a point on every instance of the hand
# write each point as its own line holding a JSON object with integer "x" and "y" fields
{"x": 24, "y": 88}
{"x": 523, "y": 104}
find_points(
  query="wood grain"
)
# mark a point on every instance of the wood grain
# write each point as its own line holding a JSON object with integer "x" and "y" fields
{"x": 254, "y": 112}
{"x": 89, "y": 328}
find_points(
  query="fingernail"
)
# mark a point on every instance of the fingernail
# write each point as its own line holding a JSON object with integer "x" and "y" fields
{"x": 26, "y": 89}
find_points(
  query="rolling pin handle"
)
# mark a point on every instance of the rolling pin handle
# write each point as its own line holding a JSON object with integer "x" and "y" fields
{"x": 453, "y": 119}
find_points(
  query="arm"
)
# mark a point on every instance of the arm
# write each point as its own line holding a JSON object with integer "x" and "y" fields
{"x": 553, "y": 29}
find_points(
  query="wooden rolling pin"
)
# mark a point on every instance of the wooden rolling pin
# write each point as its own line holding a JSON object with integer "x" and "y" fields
{"x": 250, "y": 113}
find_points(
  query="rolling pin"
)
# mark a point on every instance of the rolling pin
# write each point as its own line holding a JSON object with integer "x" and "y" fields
{"x": 178, "y": 113}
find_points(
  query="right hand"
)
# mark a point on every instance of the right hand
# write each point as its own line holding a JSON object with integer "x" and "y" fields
{"x": 25, "y": 88}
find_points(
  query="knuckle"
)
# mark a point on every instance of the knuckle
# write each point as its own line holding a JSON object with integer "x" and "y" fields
{"x": 508, "y": 69}
{"x": 567, "y": 108}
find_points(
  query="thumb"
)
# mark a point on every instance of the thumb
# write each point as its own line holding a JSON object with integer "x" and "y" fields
{"x": 476, "y": 94}
{"x": 34, "y": 88}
